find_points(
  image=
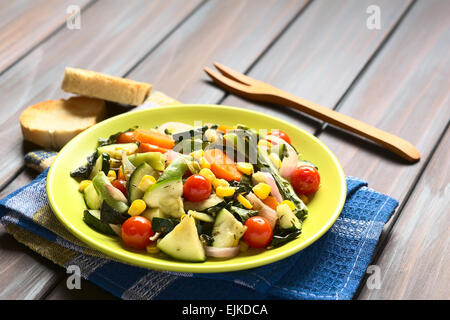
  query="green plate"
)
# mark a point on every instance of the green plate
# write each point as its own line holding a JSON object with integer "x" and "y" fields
{"x": 68, "y": 203}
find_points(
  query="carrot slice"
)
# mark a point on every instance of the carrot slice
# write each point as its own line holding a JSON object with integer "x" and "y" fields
{"x": 223, "y": 128}
{"x": 121, "y": 175}
{"x": 226, "y": 171}
{"x": 154, "y": 138}
{"x": 147, "y": 147}
{"x": 222, "y": 166}
{"x": 271, "y": 202}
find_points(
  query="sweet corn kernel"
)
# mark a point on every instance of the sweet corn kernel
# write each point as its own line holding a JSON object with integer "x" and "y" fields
{"x": 225, "y": 191}
{"x": 84, "y": 184}
{"x": 289, "y": 203}
{"x": 112, "y": 175}
{"x": 152, "y": 248}
{"x": 244, "y": 201}
{"x": 137, "y": 207}
{"x": 264, "y": 143}
{"x": 262, "y": 190}
{"x": 275, "y": 160}
{"x": 204, "y": 163}
{"x": 146, "y": 182}
{"x": 208, "y": 174}
{"x": 304, "y": 198}
{"x": 245, "y": 167}
{"x": 220, "y": 183}
{"x": 243, "y": 247}
{"x": 197, "y": 154}
{"x": 258, "y": 177}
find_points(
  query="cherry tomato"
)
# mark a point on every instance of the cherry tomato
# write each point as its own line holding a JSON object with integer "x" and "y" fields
{"x": 305, "y": 179}
{"x": 196, "y": 188}
{"x": 126, "y": 137}
{"x": 187, "y": 174}
{"x": 259, "y": 233}
{"x": 136, "y": 232}
{"x": 120, "y": 184}
{"x": 281, "y": 134}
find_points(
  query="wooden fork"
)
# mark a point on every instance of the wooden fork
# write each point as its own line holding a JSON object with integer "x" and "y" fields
{"x": 252, "y": 89}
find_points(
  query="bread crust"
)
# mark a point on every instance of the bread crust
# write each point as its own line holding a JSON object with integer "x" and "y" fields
{"x": 52, "y": 123}
{"x": 103, "y": 86}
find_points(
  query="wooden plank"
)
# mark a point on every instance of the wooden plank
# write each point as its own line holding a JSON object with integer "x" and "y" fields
{"x": 88, "y": 291}
{"x": 23, "y": 24}
{"x": 138, "y": 27}
{"x": 24, "y": 273}
{"x": 176, "y": 66}
{"x": 415, "y": 263}
{"x": 405, "y": 91}
{"x": 321, "y": 54}
{"x": 233, "y": 32}
{"x": 127, "y": 33}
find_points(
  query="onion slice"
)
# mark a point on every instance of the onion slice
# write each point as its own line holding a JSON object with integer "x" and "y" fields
{"x": 174, "y": 127}
{"x": 263, "y": 210}
{"x": 290, "y": 161}
{"x": 221, "y": 252}
{"x": 172, "y": 155}
{"x": 117, "y": 228}
{"x": 116, "y": 193}
{"x": 273, "y": 187}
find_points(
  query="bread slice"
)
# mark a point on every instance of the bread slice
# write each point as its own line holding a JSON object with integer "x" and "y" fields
{"x": 52, "y": 123}
{"x": 98, "y": 85}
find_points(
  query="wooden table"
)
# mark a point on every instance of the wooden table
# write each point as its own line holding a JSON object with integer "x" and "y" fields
{"x": 396, "y": 77}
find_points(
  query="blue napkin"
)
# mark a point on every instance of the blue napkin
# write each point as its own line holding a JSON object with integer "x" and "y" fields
{"x": 331, "y": 268}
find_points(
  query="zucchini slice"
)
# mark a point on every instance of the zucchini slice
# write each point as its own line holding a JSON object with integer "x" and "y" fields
{"x": 102, "y": 164}
{"x": 92, "y": 219}
{"x": 133, "y": 191}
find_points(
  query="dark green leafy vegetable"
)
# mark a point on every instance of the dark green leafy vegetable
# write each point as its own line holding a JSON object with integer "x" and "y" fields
{"x": 206, "y": 239}
{"x": 241, "y": 213}
{"x": 164, "y": 225}
{"x": 215, "y": 209}
{"x": 279, "y": 240}
{"x": 245, "y": 185}
{"x": 285, "y": 188}
{"x": 190, "y": 134}
{"x": 189, "y": 145}
{"x": 84, "y": 171}
{"x": 110, "y": 215}
{"x": 113, "y": 138}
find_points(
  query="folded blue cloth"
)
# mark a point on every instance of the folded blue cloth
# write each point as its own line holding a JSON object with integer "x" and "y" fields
{"x": 331, "y": 268}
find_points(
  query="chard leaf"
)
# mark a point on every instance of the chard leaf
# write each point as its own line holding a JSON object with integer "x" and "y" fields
{"x": 110, "y": 215}
{"x": 113, "y": 138}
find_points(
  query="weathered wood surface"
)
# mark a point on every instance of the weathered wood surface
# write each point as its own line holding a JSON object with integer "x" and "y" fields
{"x": 112, "y": 39}
{"x": 415, "y": 261}
{"x": 404, "y": 91}
{"x": 24, "y": 24}
{"x": 37, "y": 77}
{"x": 322, "y": 54}
{"x": 396, "y": 78}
